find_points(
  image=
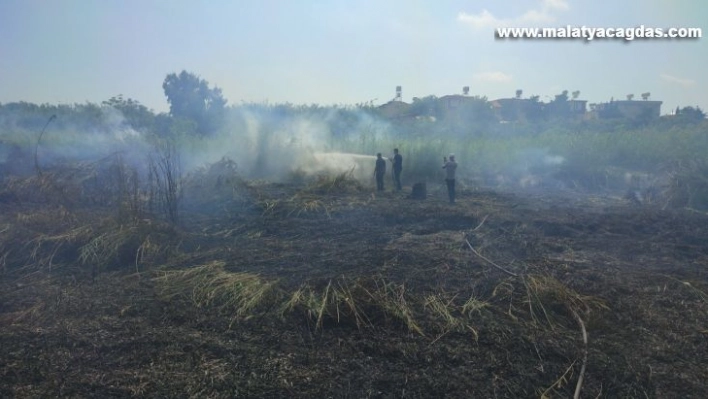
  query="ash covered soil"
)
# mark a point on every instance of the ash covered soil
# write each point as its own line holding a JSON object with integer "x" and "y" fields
{"x": 350, "y": 294}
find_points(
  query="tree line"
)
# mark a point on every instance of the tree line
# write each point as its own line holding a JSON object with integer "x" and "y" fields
{"x": 197, "y": 108}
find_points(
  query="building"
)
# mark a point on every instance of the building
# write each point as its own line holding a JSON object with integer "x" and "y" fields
{"x": 452, "y": 102}
{"x": 635, "y": 109}
{"x": 578, "y": 107}
{"x": 395, "y": 109}
{"x": 516, "y": 109}
{"x": 630, "y": 109}
{"x": 459, "y": 107}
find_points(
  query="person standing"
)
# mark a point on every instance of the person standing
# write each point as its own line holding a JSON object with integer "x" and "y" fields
{"x": 450, "y": 167}
{"x": 380, "y": 172}
{"x": 397, "y": 168}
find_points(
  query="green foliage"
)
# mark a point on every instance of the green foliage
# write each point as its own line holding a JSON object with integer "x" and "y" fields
{"x": 87, "y": 117}
{"x": 136, "y": 115}
{"x": 559, "y": 108}
{"x": 191, "y": 98}
{"x": 426, "y": 106}
{"x": 690, "y": 115}
{"x": 473, "y": 117}
{"x": 432, "y": 128}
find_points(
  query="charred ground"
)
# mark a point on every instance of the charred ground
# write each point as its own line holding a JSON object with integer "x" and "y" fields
{"x": 324, "y": 289}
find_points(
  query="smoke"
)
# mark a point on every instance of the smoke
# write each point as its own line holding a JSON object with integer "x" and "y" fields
{"x": 273, "y": 143}
{"x": 5, "y": 151}
{"x": 527, "y": 168}
{"x": 360, "y": 166}
{"x": 266, "y": 142}
{"x": 67, "y": 139}
{"x": 117, "y": 126}
{"x": 538, "y": 168}
{"x": 112, "y": 137}
{"x": 277, "y": 143}
{"x": 269, "y": 145}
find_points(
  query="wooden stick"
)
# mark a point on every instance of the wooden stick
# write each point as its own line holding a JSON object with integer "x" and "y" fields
{"x": 36, "y": 147}
{"x": 490, "y": 262}
{"x": 585, "y": 355}
{"x": 480, "y": 223}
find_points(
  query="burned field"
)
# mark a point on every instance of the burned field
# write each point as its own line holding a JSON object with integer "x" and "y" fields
{"x": 323, "y": 289}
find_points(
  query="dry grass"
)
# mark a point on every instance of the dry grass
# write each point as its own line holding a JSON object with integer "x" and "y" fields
{"x": 350, "y": 302}
{"x": 378, "y": 303}
{"x": 443, "y": 309}
{"x": 688, "y": 184}
{"x": 50, "y": 237}
{"x": 309, "y": 200}
{"x": 236, "y": 294}
{"x": 410, "y": 297}
{"x": 35, "y": 188}
{"x": 562, "y": 381}
{"x": 548, "y": 299}
{"x": 43, "y": 249}
{"x": 391, "y": 299}
{"x": 474, "y": 305}
{"x": 337, "y": 303}
{"x": 121, "y": 246}
{"x": 362, "y": 303}
{"x": 297, "y": 205}
{"x": 341, "y": 183}
{"x": 105, "y": 247}
{"x": 218, "y": 186}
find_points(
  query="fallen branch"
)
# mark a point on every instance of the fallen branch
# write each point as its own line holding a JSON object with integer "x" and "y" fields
{"x": 480, "y": 223}
{"x": 585, "y": 355}
{"x": 490, "y": 262}
{"x": 561, "y": 381}
{"x": 36, "y": 148}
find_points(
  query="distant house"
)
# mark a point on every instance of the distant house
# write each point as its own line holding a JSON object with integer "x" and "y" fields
{"x": 530, "y": 109}
{"x": 574, "y": 109}
{"x": 578, "y": 107}
{"x": 395, "y": 109}
{"x": 513, "y": 109}
{"x": 630, "y": 109}
{"x": 634, "y": 109}
{"x": 465, "y": 111}
{"x": 452, "y": 101}
{"x": 452, "y": 105}
{"x": 458, "y": 107}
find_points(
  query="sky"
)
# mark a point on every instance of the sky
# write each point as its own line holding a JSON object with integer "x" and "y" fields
{"x": 344, "y": 52}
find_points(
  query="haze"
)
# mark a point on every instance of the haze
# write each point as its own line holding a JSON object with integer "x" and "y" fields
{"x": 341, "y": 52}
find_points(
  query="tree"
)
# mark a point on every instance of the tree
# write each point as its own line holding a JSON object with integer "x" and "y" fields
{"x": 190, "y": 97}
{"x": 690, "y": 114}
{"x": 474, "y": 116}
{"x": 561, "y": 98}
{"x": 559, "y": 107}
{"x": 136, "y": 115}
{"x": 426, "y": 106}
{"x": 534, "y": 109}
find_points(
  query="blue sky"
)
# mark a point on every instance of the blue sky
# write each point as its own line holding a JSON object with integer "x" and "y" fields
{"x": 343, "y": 52}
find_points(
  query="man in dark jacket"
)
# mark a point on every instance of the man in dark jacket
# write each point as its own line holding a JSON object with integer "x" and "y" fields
{"x": 397, "y": 168}
{"x": 380, "y": 172}
{"x": 450, "y": 167}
